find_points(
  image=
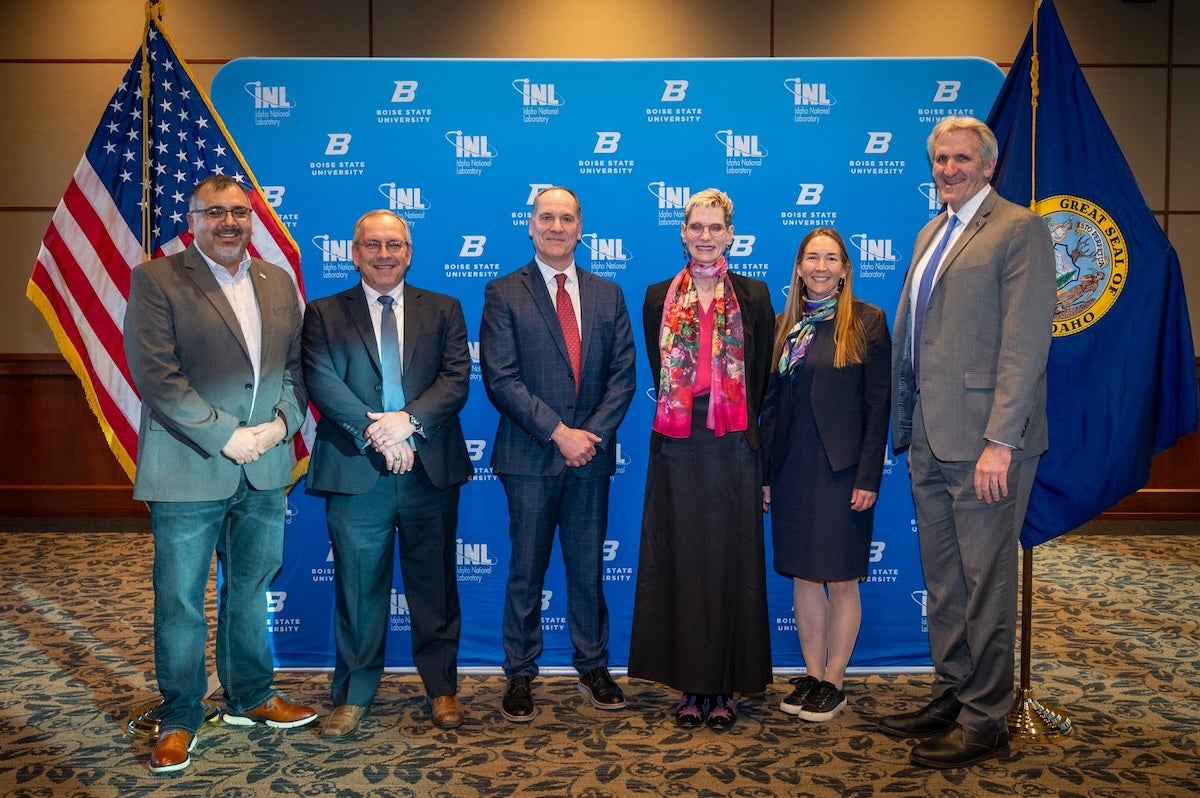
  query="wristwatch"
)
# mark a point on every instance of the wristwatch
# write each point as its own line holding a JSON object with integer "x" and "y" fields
{"x": 416, "y": 423}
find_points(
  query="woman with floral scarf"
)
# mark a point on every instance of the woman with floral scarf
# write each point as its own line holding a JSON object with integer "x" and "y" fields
{"x": 700, "y": 621}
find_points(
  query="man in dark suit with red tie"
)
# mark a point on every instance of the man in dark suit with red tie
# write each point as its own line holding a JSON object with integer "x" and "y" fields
{"x": 556, "y": 350}
{"x": 389, "y": 457}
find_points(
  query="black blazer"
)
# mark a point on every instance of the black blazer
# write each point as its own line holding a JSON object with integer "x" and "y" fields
{"x": 758, "y": 323}
{"x": 850, "y": 404}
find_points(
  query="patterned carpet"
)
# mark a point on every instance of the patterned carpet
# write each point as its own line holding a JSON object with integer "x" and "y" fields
{"x": 1115, "y": 623}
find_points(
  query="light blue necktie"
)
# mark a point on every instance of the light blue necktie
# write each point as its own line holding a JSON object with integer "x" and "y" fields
{"x": 389, "y": 357}
{"x": 923, "y": 290}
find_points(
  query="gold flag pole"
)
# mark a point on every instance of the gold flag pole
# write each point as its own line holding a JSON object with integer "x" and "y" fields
{"x": 1030, "y": 720}
{"x": 153, "y": 12}
{"x": 143, "y": 718}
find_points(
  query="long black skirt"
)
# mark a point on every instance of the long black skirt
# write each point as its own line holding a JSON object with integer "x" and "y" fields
{"x": 700, "y": 621}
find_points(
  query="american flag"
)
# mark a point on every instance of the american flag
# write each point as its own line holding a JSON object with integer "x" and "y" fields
{"x": 168, "y": 131}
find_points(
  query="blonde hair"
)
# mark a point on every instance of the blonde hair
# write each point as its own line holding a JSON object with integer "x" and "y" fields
{"x": 849, "y": 334}
{"x": 709, "y": 198}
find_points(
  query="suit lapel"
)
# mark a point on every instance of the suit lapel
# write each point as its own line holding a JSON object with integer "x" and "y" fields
{"x": 359, "y": 316}
{"x": 964, "y": 238}
{"x": 413, "y": 308}
{"x": 587, "y": 309}
{"x": 197, "y": 268}
{"x": 264, "y": 294}
{"x": 541, "y": 299}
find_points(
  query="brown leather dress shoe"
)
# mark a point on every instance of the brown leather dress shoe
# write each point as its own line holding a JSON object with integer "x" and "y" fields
{"x": 171, "y": 751}
{"x": 447, "y": 712}
{"x": 277, "y": 712}
{"x": 342, "y": 721}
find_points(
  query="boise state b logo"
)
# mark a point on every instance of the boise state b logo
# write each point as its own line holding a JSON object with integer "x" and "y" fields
{"x": 1091, "y": 261}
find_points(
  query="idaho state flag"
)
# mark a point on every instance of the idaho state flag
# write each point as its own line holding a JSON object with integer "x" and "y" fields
{"x": 1122, "y": 371}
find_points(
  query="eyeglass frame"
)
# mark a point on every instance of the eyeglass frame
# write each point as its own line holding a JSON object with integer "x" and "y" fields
{"x": 697, "y": 229}
{"x": 239, "y": 212}
{"x": 392, "y": 247}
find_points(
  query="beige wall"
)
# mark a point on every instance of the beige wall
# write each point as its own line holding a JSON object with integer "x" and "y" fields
{"x": 60, "y": 61}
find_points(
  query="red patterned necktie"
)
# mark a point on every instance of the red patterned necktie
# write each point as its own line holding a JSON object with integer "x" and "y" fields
{"x": 570, "y": 328}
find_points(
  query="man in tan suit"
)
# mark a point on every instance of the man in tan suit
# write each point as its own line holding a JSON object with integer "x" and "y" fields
{"x": 969, "y": 402}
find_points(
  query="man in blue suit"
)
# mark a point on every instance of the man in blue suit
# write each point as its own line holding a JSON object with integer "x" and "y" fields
{"x": 212, "y": 337}
{"x": 389, "y": 460}
{"x": 557, "y": 356}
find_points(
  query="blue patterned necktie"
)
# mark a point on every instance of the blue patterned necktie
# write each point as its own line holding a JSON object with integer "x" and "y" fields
{"x": 923, "y": 290}
{"x": 389, "y": 356}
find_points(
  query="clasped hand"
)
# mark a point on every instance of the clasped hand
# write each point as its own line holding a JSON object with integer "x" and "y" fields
{"x": 247, "y": 444}
{"x": 389, "y": 434}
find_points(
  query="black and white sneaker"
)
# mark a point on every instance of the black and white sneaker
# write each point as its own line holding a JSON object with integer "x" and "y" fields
{"x": 824, "y": 703}
{"x": 795, "y": 700}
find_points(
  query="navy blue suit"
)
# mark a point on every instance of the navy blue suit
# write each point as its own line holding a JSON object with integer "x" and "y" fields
{"x": 528, "y": 377}
{"x": 367, "y": 506}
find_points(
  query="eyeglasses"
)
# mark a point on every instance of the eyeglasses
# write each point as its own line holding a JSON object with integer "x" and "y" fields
{"x": 217, "y": 213}
{"x": 393, "y": 247}
{"x": 714, "y": 230}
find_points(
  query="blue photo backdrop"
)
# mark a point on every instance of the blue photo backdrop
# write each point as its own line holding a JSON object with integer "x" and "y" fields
{"x": 460, "y": 147}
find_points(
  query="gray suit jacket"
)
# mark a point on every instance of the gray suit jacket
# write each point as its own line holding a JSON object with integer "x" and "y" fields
{"x": 341, "y": 369}
{"x": 188, "y": 361}
{"x": 986, "y": 338}
{"x": 528, "y": 377}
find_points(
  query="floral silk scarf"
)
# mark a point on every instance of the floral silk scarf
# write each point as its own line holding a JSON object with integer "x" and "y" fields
{"x": 795, "y": 346}
{"x": 679, "y": 347}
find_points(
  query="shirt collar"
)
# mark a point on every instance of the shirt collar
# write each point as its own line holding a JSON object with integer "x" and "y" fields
{"x": 220, "y": 272}
{"x": 967, "y": 212}
{"x": 396, "y": 293}
{"x": 548, "y": 272}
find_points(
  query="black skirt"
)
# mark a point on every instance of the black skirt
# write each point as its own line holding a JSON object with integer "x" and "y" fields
{"x": 700, "y": 621}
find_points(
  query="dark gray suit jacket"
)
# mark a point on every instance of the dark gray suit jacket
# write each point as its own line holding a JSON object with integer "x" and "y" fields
{"x": 341, "y": 368}
{"x": 528, "y": 374}
{"x": 189, "y": 362}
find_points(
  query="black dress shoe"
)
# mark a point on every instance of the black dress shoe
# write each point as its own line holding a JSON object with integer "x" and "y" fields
{"x": 598, "y": 685}
{"x": 959, "y": 748}
{"x": 936, "y": 717}
{"x": 517, "y": 705}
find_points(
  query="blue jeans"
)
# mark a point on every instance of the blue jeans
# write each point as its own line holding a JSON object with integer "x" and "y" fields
{"x": 246, "y": 532}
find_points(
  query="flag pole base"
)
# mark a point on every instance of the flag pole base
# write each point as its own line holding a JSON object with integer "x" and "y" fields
{"x": 143, "y": 721}
{"x": 1031, "y": 721}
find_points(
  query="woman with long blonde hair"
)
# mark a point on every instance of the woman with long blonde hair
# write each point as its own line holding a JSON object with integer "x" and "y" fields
{"x": 825, "y": 421}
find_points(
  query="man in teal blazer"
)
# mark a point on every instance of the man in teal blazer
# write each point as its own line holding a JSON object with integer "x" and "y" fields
{"x": 212, "y": 338}
{"x": 389, "y": 473}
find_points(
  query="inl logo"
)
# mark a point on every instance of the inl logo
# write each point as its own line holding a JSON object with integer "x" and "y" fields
{"x": 873, "y": 248}
{"x": 407, "y": 199}
{"x": 536, "y": 93}
{"x": 333, "y": 249}
{"x": 469, "y": 146}
{"x": 740, "y": 146}
{"x": 673, "y": 197}
{"x": 268, "y": 96}
{"x": 808, "y": 93}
